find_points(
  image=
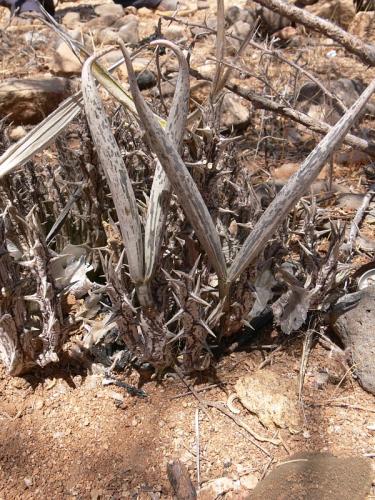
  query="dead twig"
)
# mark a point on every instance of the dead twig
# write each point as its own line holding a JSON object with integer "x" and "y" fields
{"x": 365, "y": 52}
{"x": 240, "y": 423}
{"x": 197, "y": 446}
{"x": 354, "y": 228}
{"x": 200, "y": 389}
{"x": 340, "y": 405}
{"x": 312, "y": 124}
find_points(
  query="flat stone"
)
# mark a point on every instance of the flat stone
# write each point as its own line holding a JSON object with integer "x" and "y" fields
{"x": 216, "y": 488}
{"x": 249, "y": 481}
{"x": 111, "y": 9}
{"x": 65, "y": 62}
{"x": 317, "y": 476}
{"x": 100, "y": 22}
{"x": 353, "y": 320}
{"x": 234, "y": 111}
{"x": 106, "y": 36}
{"x": 29, "y": 101}
{"x": 129, "y": 33}
{"x": 71, "y": 20}
{"x": 174, "y": 32}
{"x": 279, "y": 407}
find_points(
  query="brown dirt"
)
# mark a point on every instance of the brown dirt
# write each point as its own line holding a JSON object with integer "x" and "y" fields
{"x": 64, "y": 436}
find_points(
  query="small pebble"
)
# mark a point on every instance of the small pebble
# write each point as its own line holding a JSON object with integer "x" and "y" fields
{"x": 28, "y": 482}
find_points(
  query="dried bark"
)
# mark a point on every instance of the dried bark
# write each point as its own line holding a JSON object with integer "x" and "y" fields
{"x": 180, "y": 481}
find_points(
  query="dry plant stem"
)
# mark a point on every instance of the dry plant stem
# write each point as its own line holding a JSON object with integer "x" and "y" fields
{"x": 363, "y": 51}
{"x": 161, "y": 187}
{"x": 318, "y": 126}
{"x": 180, "y": 178}
{"x": 297, "y": 185}
{"x": 340, "y": 405}
{"x": 198, "y": 453}
{"x": 117, "y": 178}
{"x": 354, "y": 228}
{"x": 312, "y": 124}
{"x": 307, "y": 344}
{"x": 310, "y": 76}
{"x": 220, "y": 49}
{"x": 242, "y": 424}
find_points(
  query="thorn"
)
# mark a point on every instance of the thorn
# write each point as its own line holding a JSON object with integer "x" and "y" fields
{"x": 175, "y": 317}
{"x": 196, "y": 298}
{"x": 207, "y": 328}
{"x": 176, "y": 337}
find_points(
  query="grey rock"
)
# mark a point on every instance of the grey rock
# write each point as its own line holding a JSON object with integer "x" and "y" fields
{"x": 109, "y": 9}
{"x": 235, "y": 111}
{"x": 146, "y": 79}
{"x": 239, "y": 30}
{"x": 129, "y": 33}
{"x": 174, "y": 32}
{"x": 235, "y": 13}
{"x": 64, "y": 61}
{"x": 124, "y": 20}
{"x": 313, "y": 101}
{"x": 29, "y": 101}
{"x": 100, "y": 22}
{"x": 71, "y": 20}
{"x": 106, "y": 36}
{"x": 353, "y": 320}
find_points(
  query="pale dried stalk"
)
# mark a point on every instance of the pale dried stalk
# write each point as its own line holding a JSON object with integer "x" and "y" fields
{"x": 296, "y": 187}
{"x": 180, "y": 178}
{"x": 220, "y": 48}
{"x": 118, "y": 180}
{"x": 41, "y": 135}
{"x": 161, "y": 187}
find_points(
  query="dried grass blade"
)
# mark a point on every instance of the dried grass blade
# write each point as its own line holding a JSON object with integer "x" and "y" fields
{"x": 116, "y": 173}
{"x": 41, "y": 135}
{"x": 161, "y": 187}
{"x": 296, "y": 187}
{"x": 180, "y": 178}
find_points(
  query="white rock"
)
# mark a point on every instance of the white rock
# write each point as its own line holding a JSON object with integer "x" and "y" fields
{"x": 17, "y": 133}
{"x": 249, "y": 481}
{"x": 216, "y": 488}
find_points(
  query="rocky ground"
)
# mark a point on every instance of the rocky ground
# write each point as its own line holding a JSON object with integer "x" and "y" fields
{"x": 66, "y": 435}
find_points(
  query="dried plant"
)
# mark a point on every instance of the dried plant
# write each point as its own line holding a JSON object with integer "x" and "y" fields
{"x": 189, "y": 255}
